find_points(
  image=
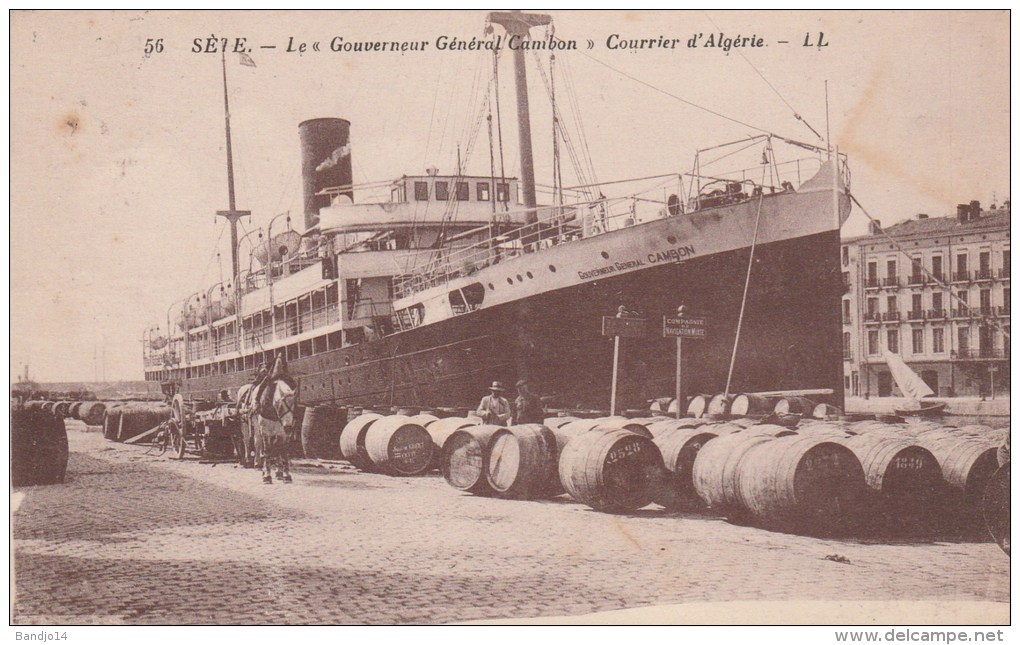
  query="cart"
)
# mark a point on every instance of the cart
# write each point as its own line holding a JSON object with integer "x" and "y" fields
{"x": 210, "y": 430}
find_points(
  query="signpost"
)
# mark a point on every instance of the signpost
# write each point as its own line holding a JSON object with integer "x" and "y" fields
{"x": 680, "y": 327}
{"x": 620, "y": 326}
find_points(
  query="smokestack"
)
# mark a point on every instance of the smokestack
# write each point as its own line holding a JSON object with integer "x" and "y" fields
{"x": 325, "y": 163}
{"x": 922, "y": 216}
{"x": 975, "y": 210}
{"x": 874, "y": 227}
{"x": 962, "y": 213}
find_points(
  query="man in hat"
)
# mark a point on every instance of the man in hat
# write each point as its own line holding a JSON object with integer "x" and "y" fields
{"x": 494, "y": 408}
{"x": 527, "y": 407}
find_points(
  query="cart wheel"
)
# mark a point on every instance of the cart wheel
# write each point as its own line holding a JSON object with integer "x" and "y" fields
{"x": 178, "y": 427}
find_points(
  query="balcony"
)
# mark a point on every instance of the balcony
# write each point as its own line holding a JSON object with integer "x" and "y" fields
{"x": 1004, "y": 311}
{"x": 872, "y": 283}
{"x": 872, "y": 317}
{"x": 985, "y": 311}
{"x": 938, "y": 276}
{"x": 917, "y": 279}
{"x": 961, "y": 276}
{"x": 1004, "y": 274}
{"x": 891, "y": 316}
{"x": 893, "y": 281}
{"x": 916, "y": 314}
{"x": 938, "y": 314}
{"x": 961, "y": 313}
{"x": 984, "y": 274}
{"x": 847, "y": 320}
{"x": 981, "y": 354}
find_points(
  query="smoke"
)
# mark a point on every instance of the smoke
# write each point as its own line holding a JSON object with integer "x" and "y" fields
{"x": 334, "y": 159}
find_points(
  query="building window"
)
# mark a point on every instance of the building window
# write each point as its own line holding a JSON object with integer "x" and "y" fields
{"x": 502, "y": 192}
{"x": 1005, "y": 340}
{"x": 442, "y": 191}
{"x": 483, "y": 191}
{"x": 963, "y": 339}
{"x": 938, "y": 343}
{"x": 890, "y": 269}
{"x": 846, "y": 344}
{"x": 421, "y": 191}
{"x": 936, "y": 266}
{"x": 463, "y": 192}
{"x": 915, "y": 270}
{"x": 986, "y": 301}
{"x": 890, "y": 303}
{"x": 915, "y": 301}
{"x": 893, "y": 341}
{"x": 961, "y": 263}
{"x": 872, "y": 306}
{"x": 846, "y": 255}
{"x": 1005, "y": 261}
{"x": 917, "y": 340}
{"x": 873, "y": 343}
{"x": 846, "y": 309}
{"x": 936, "y": 300}
{"x": 985, "y": 262}
{"x": 1005, "y": 297}
{"x": 855, "y": 381}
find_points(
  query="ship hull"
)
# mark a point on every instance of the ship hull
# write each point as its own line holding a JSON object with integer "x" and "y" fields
{"x": 789, "y": 338}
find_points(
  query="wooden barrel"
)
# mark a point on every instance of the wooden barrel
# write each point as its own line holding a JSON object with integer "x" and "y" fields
{"x": 34, "y": 405}
{"x": 679, "y": 447}
{"x": 826, "y": 411}
{"x": 967, "y": 465}
{"x": 803, "y": 482}
{"x": 745, "y": 405}
{"x": 423, "y": 419}
{"x": 556, "y": 422}
{"x": 73, "y": 410}
{"x": 91, "y": 412}
{"x": 568, "y": 431}
{"x": 698, "y": 406}
{"x": 1002, "y": 452}
{"x": 38, "y": 447}
{"x": 523, "y": 462}
{"x": 904, "y": 478}
{"x": 618, "y": 423}
{"x": 352, "y": 441}
{"x": 61, "y": 409}
{"x": 719, "y": 405}
{"x": 441, "y": 430}
{"x": 464, "y": 461}
{"x": 715, "y": 467}
{"x": 111, "y": 422}
{"x": 995, "y": 507}
{"x": 662, "y": 425}
{"x": 613, "y": 470}
{"x": 316, "y": 429}
{"x": 136, "y": 419}
{"x": 399, "y": 447}
{"x": 794, "y": 405}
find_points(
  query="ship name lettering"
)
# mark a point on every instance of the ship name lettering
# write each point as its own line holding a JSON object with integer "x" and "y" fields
{"x": 629, "y": 264}
{"x": 338, "y": 44}
{"x": 452, "y": 43}
{"x": 517, "y": 41}
{"x": 594, "y": 273}
{"x": 674, "y": 254}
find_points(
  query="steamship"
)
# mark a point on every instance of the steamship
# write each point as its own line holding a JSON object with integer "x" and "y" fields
{"x": 455, "y": 281}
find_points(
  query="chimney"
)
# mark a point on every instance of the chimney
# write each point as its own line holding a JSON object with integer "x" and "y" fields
{"x": 962, "y": 213}
{"x": 975, "y": 209}
{"x": 922, "y": 216}
{"x": 1005, "y": 205}
{"x": 874, "y": 227}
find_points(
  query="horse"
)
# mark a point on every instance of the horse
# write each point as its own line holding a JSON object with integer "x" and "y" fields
{"x": 272, "y": 404}
{"x": 244, "y": 441}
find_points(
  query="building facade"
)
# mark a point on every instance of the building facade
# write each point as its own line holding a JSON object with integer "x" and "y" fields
{"x": 934, "y": 290}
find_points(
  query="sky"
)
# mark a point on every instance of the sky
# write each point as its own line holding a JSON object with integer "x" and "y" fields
{"x": 118, "y": 157}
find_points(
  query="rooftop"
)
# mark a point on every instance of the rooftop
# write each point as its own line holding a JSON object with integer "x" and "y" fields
{"x": 925, "y": 226}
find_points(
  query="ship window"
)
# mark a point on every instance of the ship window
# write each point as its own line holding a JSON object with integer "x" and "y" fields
{"x": 442, "y": 191}
{"x": 474, "y": 294}
{"x": 502, "y": 192}
{"x": 355, "y": 335}
{"x": 319, "y": 345}
{"x": 552, "y": 268}
{"x": 492, "y": 286}
{"x": 292, "y": 352}
{"x": 509, "y": 280}
{"x": 421, "y": 191}
{"x": 463, "y": 193}
{"x": 483, "y": 191}
{"x": 305, "y": 348}
{"x": 334, "y": 340}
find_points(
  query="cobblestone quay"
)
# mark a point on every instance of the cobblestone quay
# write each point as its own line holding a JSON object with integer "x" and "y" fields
{"x": 132, "y": 537}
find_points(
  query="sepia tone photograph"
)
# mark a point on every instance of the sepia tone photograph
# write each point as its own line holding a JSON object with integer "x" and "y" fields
{"x": 511, "y": 317}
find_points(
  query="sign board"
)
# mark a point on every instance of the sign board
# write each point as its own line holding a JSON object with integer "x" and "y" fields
{"x": 685, "y": 327}
{"x": 625, "y": 327}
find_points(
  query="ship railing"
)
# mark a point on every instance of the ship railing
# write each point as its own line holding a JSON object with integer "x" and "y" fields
{"x": 556, "y": 225}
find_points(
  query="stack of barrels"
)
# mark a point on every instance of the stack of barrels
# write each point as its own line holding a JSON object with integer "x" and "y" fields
{"x": 394, "y": 445}
{"x": 128, "y": 420}
{"x": 38, "y": 445}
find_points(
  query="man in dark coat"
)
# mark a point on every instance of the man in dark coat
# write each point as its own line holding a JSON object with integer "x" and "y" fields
{"x": 527, "y": 407}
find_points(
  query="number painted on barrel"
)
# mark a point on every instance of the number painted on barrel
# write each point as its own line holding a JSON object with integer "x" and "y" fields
{"x": 622, "y": 452}
{"x": 908, "y": 463}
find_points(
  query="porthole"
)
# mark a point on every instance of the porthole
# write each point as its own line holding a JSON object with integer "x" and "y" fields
{"x": 530, "y": 276}
{"x": 491, "y": 287}
{"x": 671, "y": 239}
{"x": 605, "y": 255}
{"x": 519, "y": 278}
{"x": 509, "y": 280}
{"x": 552, "y": 268}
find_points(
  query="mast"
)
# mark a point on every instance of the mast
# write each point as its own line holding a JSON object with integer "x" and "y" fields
{"x": 519, "y": 24}
{"x": 232, "y": 214}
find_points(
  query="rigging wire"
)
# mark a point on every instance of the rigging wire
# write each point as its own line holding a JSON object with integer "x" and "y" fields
{"x": 782, "y": 98}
